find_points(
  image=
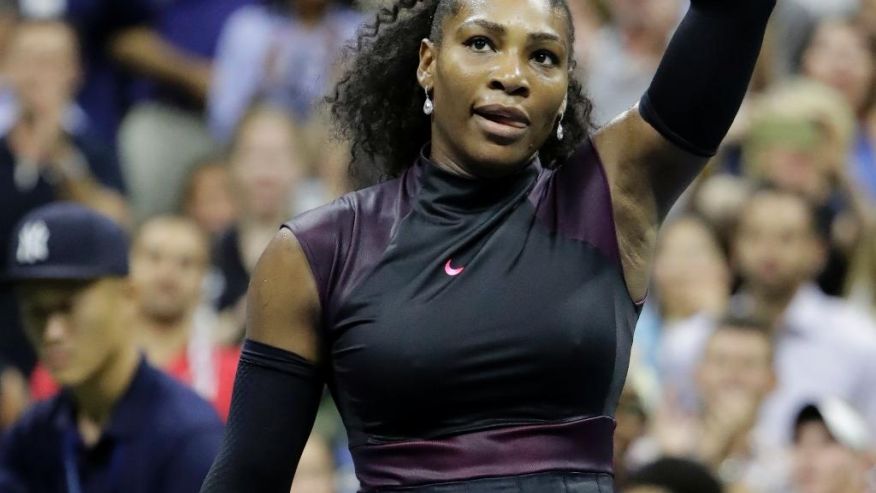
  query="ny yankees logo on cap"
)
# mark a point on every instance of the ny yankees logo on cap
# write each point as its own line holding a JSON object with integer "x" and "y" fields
{"x": 33, "y": 243}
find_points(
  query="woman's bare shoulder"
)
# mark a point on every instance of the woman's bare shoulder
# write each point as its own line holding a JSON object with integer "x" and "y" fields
{"x": 283, "y": 301}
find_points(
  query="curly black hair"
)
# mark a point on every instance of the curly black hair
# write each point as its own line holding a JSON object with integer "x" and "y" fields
{"x": 377, "y": 103}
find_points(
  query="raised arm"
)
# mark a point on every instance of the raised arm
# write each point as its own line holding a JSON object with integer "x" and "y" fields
{"x": 654, "y": 151}
{"x": 278, "y": 384}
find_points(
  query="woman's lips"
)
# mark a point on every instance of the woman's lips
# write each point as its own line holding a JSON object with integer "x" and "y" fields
{"x": 501, "y": 128}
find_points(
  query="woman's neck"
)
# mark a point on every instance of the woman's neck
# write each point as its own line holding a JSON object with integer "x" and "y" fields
{"x": 442, "y": 157}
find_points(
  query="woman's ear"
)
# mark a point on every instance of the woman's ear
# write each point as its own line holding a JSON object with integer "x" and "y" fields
{"x": 427, "y": 64}
{"x": 564, "y": 105}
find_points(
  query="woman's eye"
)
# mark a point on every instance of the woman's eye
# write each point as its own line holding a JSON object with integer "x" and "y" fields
{"x": 544, "y": 57}
{"x": 479, "y": 43}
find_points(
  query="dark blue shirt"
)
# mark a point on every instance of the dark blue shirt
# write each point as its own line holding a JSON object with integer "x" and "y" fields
{"x": 173, "y": 21}
{"x": 161, "y": 437}
{"x": 102, "y": 95}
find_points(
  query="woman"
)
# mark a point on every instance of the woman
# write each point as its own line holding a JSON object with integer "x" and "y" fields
{"x": 691, "y": 285}
{"x": 265, "y": 165}
{"x": 839, "y": 54}
{"x": 473, "y": 316}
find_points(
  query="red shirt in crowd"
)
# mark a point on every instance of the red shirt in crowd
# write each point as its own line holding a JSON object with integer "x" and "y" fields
{"x": 224, "y": 363}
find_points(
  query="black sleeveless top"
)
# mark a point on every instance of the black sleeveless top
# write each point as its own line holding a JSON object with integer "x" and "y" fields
{"x": 474, "y": 329}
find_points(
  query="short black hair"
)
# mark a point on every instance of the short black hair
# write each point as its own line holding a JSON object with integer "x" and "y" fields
{"x": 677, "y": 476}
{"x": 808, "y": 414}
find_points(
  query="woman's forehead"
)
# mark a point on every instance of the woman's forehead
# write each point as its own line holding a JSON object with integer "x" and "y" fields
{"x": 530, "y": 16}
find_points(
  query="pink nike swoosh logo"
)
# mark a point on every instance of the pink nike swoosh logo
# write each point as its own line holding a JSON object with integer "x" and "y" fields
{"x": 452, "y": 271}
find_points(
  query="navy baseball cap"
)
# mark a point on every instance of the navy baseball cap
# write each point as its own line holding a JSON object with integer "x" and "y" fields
{"x": 67, "y": 241}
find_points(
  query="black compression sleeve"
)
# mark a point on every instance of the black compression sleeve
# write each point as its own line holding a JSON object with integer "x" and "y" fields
{"x": 276, "y": 395}
{"x": 705, "y": 72}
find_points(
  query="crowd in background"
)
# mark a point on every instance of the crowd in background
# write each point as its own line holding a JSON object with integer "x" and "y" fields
{"x": 198, "y": 125}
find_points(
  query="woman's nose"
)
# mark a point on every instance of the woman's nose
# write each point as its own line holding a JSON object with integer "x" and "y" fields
{"x": 510, "y": 77}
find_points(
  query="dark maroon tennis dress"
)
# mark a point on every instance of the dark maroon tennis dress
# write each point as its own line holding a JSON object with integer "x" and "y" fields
{"x": 477, "y": 332}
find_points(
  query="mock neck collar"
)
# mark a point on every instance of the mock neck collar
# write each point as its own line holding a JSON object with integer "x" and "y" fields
{"x": 446, "y": 194}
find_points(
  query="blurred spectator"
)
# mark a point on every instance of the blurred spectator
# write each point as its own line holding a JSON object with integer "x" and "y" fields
{"x": 8, "y": 20}
{"x": 588, "y": 16}
{"x": 823, "y": 345}
{"x": 861, "y": 282}
{"x": 800, "y": 140}
{"x": 119, "y": 424}
{"x": 96, "y": 22}
{"x": 717, "y": 199}
{"x": 829, "y": 8}
{"x": 164, "y": 132}
{"x": 42, "y": 65}
{"x": 833, "y": 450}
{"x": 315, "y": 473}
{"x": 866, "y": 18}
{"x": 733, "y": 378}
{"x": 328, "y": 165}
{"x": 266, "y": 165}
{"x": 207, "y": 199}
{"x": 690, "y": 285}
{"x": 624, "y": 55}
{"x": 282, "y": 54}
{"x": 671, "y": 475}
{"x": 690, "y": 271}
{"x": 174, "y": 60}
{"x": 169, "y": 261}
{"x": 632, "y": 422}
{"x": 41, "y": 160}
{"x": 840, "y": 55}
{"x": 787, "y": 35}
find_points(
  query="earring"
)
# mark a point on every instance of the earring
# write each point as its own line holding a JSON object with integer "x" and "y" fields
{"x": 428, "y": 107}
{"x": 560, "y": 129}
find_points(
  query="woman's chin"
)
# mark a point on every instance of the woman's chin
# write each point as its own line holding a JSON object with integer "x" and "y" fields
{"x": 492, "y": 160}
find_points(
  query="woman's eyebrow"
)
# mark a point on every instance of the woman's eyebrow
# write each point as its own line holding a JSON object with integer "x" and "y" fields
{"x": 499, "y": 30}
{"x": 544, "y": 36}
{"x": 490, "y": 26}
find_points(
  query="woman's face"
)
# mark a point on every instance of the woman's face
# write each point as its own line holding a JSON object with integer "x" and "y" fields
{"x": 839, "y": 57}
{"x": 690, "y": 270}
{"x": 499, "y": 81}
{"x": 265, "y": 166}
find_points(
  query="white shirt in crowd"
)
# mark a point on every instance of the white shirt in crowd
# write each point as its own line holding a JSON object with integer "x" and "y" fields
{"x": 824, "y": 347}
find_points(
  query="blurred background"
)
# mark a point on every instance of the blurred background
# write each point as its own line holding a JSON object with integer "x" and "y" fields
{"x": 198, "y": 125}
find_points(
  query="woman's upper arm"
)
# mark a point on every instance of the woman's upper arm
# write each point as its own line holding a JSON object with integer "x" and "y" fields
{"x": 638, "y": 159}
{"x": 646, "y": 174}
{"x": 283, "y": 301}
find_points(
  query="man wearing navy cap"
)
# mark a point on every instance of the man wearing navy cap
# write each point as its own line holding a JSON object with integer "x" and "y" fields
{"x": 119, "y": 425}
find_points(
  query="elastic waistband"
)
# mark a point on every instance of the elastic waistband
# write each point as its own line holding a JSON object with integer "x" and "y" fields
{"x": 582, "y": 445}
